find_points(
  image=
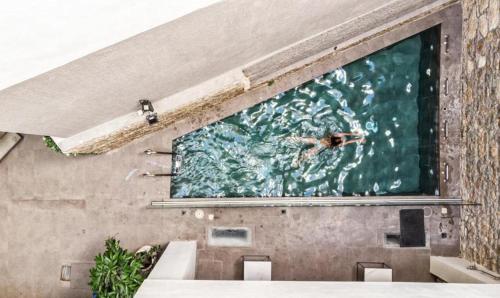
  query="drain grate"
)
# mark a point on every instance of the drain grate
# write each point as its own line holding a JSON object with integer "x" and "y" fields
{"x": 392, "y": 240}
{"x": 228, "y": 236}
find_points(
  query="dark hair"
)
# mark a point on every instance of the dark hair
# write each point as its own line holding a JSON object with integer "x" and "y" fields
{"x": 335, "y": 141}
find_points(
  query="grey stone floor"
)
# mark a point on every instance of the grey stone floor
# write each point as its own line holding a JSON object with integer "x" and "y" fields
{"x": 57, "y": 210}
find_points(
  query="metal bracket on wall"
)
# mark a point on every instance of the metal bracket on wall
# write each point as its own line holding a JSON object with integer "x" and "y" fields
{"x": 446, "y": 173}
{"x": 445, "y": 129}
{"x": 446, "y": 43}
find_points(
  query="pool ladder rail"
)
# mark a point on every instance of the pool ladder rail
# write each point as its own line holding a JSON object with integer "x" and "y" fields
{"x": 152, "y": 152}
{"x": 177, "y": 163}
{"x": 149, "y": 174}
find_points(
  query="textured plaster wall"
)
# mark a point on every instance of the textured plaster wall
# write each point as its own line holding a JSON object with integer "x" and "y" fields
{"x": 480, "y": 133}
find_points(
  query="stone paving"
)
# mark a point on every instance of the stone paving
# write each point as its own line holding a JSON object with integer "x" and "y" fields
{"x": 58, "y": 210}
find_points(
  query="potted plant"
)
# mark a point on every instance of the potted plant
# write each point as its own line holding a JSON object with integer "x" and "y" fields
{"x": 117, "y": 272}
{"x": 148, "y": 255}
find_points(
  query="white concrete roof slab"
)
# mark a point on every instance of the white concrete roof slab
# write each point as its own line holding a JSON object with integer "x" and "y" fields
{"x": 38, "y": 36}
{"x": 165, "y": 60}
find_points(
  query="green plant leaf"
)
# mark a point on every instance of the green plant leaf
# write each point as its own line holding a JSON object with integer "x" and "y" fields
{"x": 116, "y": 273}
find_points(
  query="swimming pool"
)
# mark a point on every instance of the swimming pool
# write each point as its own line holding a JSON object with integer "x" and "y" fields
{"x": 390, "y": 96}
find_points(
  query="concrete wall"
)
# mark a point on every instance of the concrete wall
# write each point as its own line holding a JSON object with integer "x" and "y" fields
{"x": 480, "y": 132}
{"x": 166, "y": 60}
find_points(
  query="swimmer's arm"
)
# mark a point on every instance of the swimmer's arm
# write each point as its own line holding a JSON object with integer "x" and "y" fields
{"x": 310, "y": 153}
{"x": 311, "y": 141}
{"x": 353, "y": 141}
{"x": 343, "y": 134}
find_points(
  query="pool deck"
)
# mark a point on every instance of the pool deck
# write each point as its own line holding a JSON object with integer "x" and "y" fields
{"x": 58, "y": 210}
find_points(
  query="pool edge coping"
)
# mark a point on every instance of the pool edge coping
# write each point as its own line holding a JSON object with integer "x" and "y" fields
{"x": 306, "y": 202}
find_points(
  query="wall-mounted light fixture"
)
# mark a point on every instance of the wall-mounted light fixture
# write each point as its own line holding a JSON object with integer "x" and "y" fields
{"x": 148, "y": 110}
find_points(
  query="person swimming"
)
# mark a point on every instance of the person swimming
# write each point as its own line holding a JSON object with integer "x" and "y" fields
{"x": 330, "y": 141}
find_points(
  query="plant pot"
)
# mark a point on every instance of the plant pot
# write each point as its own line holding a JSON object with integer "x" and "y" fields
{"x": 150, "y": 258}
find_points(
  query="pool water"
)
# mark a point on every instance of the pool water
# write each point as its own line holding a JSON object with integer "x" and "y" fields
{"x": 390, "y": 96}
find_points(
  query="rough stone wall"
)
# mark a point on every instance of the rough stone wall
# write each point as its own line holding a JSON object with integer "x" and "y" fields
{"x": 138, "y": 130}
{"x": 480, "y": 132}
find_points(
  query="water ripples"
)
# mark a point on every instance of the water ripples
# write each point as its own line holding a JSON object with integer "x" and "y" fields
{"x": 249, "y": 153}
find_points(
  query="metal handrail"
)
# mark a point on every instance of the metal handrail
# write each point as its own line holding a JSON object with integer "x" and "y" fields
{"x": 148, "y": 174}
{"x": 151, "y": 152}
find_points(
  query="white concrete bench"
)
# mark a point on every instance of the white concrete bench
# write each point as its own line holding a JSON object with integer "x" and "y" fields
{"x": 178, "y": 261}
{"x": 454, "y": 270}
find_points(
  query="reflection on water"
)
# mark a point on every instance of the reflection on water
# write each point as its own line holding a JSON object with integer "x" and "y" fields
{"x": 250, "y": 154}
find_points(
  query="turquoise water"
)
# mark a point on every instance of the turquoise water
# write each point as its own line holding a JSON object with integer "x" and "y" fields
{"x": 389, "y": 96}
